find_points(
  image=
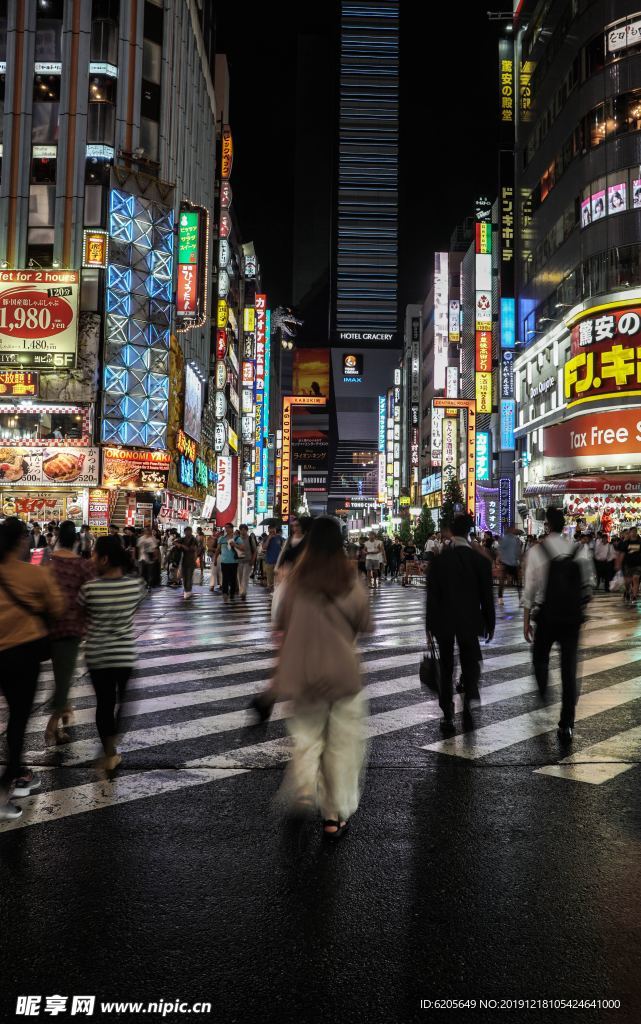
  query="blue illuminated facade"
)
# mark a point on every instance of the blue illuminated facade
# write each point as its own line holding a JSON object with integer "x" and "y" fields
{"x": 139, "y": 312}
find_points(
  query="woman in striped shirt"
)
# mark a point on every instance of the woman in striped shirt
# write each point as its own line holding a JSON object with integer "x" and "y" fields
{"x": 110, "y": 602}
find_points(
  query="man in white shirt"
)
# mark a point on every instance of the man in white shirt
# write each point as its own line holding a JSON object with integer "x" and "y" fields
{"x": 374, "y": 558}
{"x": 558, "y": 614}
{"x": 604, "y": 556}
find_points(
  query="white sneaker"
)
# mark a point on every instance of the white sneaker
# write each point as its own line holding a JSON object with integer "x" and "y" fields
{"x": 26, "y": 785}
{"x": 9, "y": 812}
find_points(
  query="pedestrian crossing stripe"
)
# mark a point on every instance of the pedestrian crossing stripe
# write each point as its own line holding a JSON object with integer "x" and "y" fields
{"x": 595, "y": 764}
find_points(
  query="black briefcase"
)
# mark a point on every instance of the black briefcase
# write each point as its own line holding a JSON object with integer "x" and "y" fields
{"x": 430, "y": 668}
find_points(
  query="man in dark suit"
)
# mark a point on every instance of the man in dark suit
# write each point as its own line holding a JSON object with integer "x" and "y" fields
{"x": 460, "y": 607}
{"x": 36, "y": 538}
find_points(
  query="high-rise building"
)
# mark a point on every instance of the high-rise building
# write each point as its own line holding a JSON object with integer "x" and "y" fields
{"x": 366, "y": 261}
{"x": 109, "y": 138}
{"x": 365, "y": 315}
{"x": 576, "y": 83}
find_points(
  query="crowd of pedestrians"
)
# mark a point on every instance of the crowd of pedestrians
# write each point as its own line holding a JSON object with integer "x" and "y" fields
{"x": 60, "y": 587}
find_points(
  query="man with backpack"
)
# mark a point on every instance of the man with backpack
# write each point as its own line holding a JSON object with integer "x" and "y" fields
{"x": 558, "y": 586}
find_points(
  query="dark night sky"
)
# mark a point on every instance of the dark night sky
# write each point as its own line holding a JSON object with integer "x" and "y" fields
{"x": 448, "y": 137}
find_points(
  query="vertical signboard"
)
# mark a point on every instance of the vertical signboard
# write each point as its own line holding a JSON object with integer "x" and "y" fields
{"x": 483, "y": 455}
{"x": 451, "y": 382}
{"x": 450, "y": 447}
{"x": 441, "y": 318}
{"x": 505, "y": 502}
{"x": 191, "y": 287}
{"x": 454, "y": 322}
{"x": 259, "y": 383}
{"x": 261, "y": 490}
{"x": 382, "y": 444}
{"x": 508, "y": 417}
{"x": 483, "y": 307}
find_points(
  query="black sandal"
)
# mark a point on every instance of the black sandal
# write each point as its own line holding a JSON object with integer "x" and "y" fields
{"x": 340, "y": 829}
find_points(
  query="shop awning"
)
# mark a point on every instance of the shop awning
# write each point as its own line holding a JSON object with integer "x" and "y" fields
{"x": 587, "y": 485}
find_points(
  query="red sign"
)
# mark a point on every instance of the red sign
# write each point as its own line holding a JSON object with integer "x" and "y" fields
{"x": 224, "y": 228}
{"x": 225, "y": 195}
{"x": 187, "y": 296}
{"x": 483, "y": 352}
{"x": 226, "y": 489}
{"x": 19, "y": 383}
{"x": 589, "y": 485}
{"x": 221, "y": 344}
{"x": 603, "y": 433}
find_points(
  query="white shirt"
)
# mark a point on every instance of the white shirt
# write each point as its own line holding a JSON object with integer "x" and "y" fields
{"x": 603, "y": 552}
{"x": 145, "y": 547}
{"x": 538, "y": 563}
{"x": 373, "y": 550}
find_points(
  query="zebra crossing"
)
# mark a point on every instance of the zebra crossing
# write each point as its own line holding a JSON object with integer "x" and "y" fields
{"x": 186, "y": 721}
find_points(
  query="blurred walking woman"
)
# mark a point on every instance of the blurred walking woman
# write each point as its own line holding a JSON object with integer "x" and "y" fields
{"x": 28, "y": 597}
{"x": 110, "y": 602}
{"x": 323, "y": 610}
{"x": 70, "y": 572}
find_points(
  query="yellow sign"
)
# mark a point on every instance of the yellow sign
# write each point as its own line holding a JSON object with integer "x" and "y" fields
{"x": 288, "y": 402}
{"x": 94, "y": 248}
{"x": 249, "y": 318}
{"x": 223, "y": 314}
{"x": 484, "y": 392}
{"x": 232, "y": 439}
{"x": 227, "y": 154}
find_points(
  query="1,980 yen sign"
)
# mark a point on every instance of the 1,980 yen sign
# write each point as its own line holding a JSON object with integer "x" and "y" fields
{"x": 39, "y": 318}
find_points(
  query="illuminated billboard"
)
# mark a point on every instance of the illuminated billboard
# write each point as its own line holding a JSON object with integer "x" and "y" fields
{"x": 441, "y": 318}
{"x": 39, "y": 318}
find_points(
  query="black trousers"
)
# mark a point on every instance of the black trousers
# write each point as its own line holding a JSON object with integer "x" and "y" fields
{"x": 469, "y": 651}
{"x": 230, "y": 578}
{"x": 605, "y": 572}
{"x": 110, "y": 685}
{"x": 567, "y": 637}
{"x": 20, "y": 671}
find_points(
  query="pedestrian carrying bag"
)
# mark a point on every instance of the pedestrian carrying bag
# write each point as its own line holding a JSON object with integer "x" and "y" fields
{"x": 429, "y": 671}
{"x": 45, "y": 641}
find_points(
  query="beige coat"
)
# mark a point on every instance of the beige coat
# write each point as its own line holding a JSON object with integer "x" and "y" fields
{"x": 318, "y": 657}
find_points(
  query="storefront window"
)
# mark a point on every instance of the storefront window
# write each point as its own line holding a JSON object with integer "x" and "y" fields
{"x": 39, "y": 426}
{"x": 596, "y": 125}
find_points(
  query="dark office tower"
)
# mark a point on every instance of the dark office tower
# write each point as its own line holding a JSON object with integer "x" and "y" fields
{"x": 365, "y": 301}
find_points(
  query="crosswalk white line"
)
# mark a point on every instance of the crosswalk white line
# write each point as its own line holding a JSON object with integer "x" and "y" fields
{"x": 94, "y": 796}
{"x": 507, "y": 733}
{"x": 140, "y": 785}
{"x": 83, "y": 751}
{"x": 599, "y": 762}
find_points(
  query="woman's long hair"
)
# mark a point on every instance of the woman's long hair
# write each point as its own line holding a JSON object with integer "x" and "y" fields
{"x": 323, "y": 567}
{"x": 12, "y": 533}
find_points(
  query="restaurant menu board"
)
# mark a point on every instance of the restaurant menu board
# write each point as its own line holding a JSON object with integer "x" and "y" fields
{"x": 43, "y": 506}
{"x": 98, "y": 511}
{"x": 48, "y": 467}
{"x": 127, "y": 467}
{"x": 39, "y": 317}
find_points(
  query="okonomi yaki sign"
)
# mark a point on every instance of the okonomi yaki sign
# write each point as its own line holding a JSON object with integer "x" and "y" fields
{"x": 39, "y": 318}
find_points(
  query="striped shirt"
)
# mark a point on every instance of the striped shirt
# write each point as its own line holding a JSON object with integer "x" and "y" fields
{"x": 110, "y": 605}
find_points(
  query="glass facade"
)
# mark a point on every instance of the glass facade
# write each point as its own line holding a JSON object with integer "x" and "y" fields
{"x": 138, "y": 321}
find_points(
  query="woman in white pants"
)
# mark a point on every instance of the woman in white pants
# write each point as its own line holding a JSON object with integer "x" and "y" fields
{"x": 322, "y": 612}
